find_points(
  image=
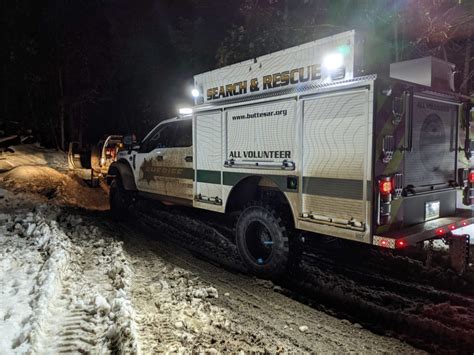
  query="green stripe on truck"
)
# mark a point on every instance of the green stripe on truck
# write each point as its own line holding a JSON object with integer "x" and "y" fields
{"x": 329, "y": 187}
{"x": 339, "y": 188}
{"x": 208, "y": 176}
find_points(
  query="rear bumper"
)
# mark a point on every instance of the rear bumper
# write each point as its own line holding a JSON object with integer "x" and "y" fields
{"x": 435, "y": 229}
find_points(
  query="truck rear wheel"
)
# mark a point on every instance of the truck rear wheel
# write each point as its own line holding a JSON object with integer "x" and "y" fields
{"x": 262, "y": 241}
{"x": 118, "y": 199}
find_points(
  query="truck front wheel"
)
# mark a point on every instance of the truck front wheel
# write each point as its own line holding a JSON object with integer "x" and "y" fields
{"x": 118, "y": 199}
{"x": 262, "y": 241}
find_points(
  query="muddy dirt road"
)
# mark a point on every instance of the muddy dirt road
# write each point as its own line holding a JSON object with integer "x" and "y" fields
{"x": 244, "y": 313}
{"x": 393, "y": 294}
{"x": 74, "y": 280}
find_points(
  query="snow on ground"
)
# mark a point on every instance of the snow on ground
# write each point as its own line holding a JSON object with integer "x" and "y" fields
{"x": 62, "y": 289}
{"x": 73, "y": 281}
{"x": 32, "y": 154}
{"x": 54, "y": 186}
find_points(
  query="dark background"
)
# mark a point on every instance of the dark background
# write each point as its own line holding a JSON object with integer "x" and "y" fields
{"x": 79, "y": 69}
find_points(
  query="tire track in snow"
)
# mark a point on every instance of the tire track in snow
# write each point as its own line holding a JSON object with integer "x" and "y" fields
{"x": 270, "y": 321}
{"x": 386, "y": 293}
{"x": 76, "y": 301}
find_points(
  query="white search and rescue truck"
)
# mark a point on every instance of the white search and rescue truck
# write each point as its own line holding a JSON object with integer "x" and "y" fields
{"x": 301, "y": 140}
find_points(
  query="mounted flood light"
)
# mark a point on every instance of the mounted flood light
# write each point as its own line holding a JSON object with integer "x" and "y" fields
{"x": 195, "y": 92}
{"x": 333, "y": 65}
{"x": 185, "y": 111}
{"x": 333, "y": 61}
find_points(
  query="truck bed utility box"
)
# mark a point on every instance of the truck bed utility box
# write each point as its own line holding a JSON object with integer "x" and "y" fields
{"x": 428, "y": 71}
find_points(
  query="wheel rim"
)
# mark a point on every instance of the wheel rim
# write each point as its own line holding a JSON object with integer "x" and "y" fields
{"x": 259, "y": 242}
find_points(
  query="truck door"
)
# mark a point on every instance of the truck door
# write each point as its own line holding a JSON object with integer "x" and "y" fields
{"x": 209, "y": 160}
{"x": 165, "y": 161}
{"x": 430, "y": 160}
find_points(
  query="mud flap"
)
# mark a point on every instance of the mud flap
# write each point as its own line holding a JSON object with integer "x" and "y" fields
{"x": 459, "y": 252}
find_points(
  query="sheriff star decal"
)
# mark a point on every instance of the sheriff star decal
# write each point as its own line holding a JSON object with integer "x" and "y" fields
{"x": 147, "y": 172}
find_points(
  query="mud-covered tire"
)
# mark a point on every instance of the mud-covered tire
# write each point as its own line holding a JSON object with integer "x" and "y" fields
{"x": 118, "y": 199}
{"x": 262, "y": 241}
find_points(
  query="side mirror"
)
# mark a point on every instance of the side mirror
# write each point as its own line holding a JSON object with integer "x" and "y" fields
{"x": 127, "y": 140}
{"x": 130, "y": 142}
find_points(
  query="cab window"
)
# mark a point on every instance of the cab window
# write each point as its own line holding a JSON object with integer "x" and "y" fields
{"x": 170, "y": 135}
{"x": 161, "y": 137}
{"x": 183, "y": 134}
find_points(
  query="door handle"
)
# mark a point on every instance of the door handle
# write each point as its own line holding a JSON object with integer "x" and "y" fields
{"x": 159, "y": 157}
{"x": 188, "y": 158}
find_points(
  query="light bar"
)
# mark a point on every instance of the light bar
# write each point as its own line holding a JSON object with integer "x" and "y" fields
{"x": 185, "y": 111}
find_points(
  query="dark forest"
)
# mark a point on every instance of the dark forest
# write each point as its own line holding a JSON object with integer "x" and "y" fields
{"x": 76, "y": 70}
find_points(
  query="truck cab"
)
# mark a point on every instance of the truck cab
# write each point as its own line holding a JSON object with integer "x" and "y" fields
{"x": 163, "y": 164}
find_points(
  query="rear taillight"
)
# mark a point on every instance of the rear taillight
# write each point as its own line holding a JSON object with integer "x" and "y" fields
{"x": 389, "y": 188}
{"x": 466, "y": 180}
{"x": 471, "y": 177}
{"x": 385, "y": 187}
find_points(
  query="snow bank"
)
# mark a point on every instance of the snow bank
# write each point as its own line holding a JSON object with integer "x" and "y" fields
{"x": 32, "y": 154}
{"x": 55, "y": 187}
{"x": 63, "y": 286}
{"x": 33, "y": 256}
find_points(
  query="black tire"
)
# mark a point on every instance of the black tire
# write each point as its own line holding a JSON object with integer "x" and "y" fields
{"x": 262, "y": 241}
{"x": 118, "y": 199}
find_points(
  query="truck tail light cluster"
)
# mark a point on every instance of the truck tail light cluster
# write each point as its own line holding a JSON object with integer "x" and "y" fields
{"x": 450, "y": 228}
{"x": 402, "y": 241}
{"x": 466, "y": 181}
{"x": 390, "y": 243}
{"x": 389, "y": 188}
{"x": 385, "y": 186}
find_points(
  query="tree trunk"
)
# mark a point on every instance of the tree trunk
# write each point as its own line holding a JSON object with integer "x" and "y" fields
{"x": 61, "y": 108}
{"x": 81, "y": 124}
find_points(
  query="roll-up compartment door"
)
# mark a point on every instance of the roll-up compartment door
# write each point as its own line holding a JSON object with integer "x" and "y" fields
{"x": 262, "y": 133}
{"x": 209, "y": 158}
{"x": 336, "y": 153}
